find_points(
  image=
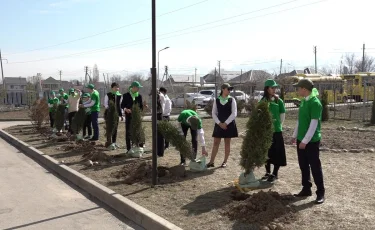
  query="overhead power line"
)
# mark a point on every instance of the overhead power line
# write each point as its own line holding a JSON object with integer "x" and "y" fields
{"x": 108, "y": 31}
{"x": 146, "y": 40}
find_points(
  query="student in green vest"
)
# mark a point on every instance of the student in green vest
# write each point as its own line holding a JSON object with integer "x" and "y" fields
{"x": 276, "y": 153}
{"x": 87, "y": 124}
{"x": 94, "y": 104}
{"x": 308, "y": 135}
{"x": 189, "y": 119}
{"x": 52, "y": 102}
{"x": 64, "y": 100}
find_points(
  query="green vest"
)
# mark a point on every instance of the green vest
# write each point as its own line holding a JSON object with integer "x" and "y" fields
{"x": 309, "y": 110}
{"x": 95, "y": 97}
{"x": 276, "y": 108}
{"x": 53, "y": 101}
{"x": 185, "y": 114}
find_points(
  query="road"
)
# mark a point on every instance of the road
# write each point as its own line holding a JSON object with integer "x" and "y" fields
{"x": 31, "y": 197}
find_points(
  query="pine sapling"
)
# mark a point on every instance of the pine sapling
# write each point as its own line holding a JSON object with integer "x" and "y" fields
{"x": 258, "y": 138}
{"x": 111, "y": 121}
{"x": 172, "y": 134}
{"x": 137, "y": 132}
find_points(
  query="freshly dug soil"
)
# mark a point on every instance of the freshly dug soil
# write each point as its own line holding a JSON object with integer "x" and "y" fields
{"x": 141, "y": 171}
{"x": 262, "y": 209}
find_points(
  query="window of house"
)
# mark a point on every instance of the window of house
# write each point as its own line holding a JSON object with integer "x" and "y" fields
{"x": 12, "y": 86}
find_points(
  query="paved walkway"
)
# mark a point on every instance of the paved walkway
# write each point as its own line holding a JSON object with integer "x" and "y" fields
{"x": 31, "y": 197}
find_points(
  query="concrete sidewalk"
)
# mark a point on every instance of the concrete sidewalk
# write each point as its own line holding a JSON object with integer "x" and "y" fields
{"x": 31, "y": 197}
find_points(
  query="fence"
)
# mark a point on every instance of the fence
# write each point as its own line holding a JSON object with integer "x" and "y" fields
{"x": 345, "y": 101}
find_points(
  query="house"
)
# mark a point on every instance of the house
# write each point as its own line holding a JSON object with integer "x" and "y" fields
{"x": 15, "y": 90}
{"x": 251, "y": 80}
{"x": 211, "y": 78}
{"x": 181, "y": 80}
{"x": 294, "y": 73}
{"x": 50, "y": 84}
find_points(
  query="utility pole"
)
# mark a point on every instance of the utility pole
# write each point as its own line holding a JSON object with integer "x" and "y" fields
{"x": 60, "y": 72}
{"x": 219, "y": 68}
{"x": 195, "y": 76}
{"x": 2, "y": 73}
{"x": 215, "y": 84}
{"x": 363, "y": 59}
{"x": 316, "y": 65}
{"x": 281, "y": 65}
{"x": 154, "y": 98}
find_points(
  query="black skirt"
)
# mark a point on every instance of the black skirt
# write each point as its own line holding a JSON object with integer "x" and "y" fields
{"x": 230, "y": 132}
{"x": 276, "y": 153}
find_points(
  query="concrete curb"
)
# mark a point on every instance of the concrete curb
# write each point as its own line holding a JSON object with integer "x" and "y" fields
{"x": 126, "y": 207}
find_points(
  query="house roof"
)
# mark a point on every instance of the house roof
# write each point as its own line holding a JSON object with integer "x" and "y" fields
{"x": 50, "y": 80}
{"x": 251, "y": 76}
{"x": 15, "y": 80}
{"x": 210, "y": 78}
{"x": 178, "y": 78}
{"x": 229, "y": 75}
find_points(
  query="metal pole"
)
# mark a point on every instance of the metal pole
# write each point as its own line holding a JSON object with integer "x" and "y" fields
{"x": 215, "y": 84}
{"x": 158, "y": 67}
{"x": 364, "y": 100}
{"x": 154, "y": 98}
{"x": 2, "y": 73}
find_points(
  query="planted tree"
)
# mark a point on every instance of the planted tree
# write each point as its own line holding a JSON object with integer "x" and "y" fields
{"x": 325, "y": 112}
{"x": 78, "y": 122}
{"x": 60, "y": 116}
{"x": 111, "y": 121}
{"x": 257, "y": 141}
{"x": 173, "y": 136}
{"x": 137, "y": 131}
{"x": 38, "y": 113}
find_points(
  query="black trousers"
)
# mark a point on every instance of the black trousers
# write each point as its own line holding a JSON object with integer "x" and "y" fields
{"x": 166, "y": 144}
{"x": 160, "y": 140}
{"x": 309, "y": 158}
{"x": 51, "y": 119}
{"x": 194, "y": 141}
{"x": 70, "y": 118}
{"x": 87, "y": 126}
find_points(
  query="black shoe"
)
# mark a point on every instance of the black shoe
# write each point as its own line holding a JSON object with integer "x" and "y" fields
{"x": 304, "y": 193}
{"x": 272, "y": 178}
{"x": 265, "y": 177}
{"x": 319, "y": 199}
{"x": 210, "y": 165}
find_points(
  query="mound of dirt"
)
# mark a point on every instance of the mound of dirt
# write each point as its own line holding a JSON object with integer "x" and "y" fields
{"x": 137, "y": 171}
{"x": 265, "y": 209}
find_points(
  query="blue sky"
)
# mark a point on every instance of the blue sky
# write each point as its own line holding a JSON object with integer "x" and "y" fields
{"x": 252, "y": 35}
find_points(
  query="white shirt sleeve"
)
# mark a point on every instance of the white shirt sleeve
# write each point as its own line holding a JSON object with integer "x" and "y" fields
{"x": 215, "y": 112}
{"x": 168, "y": 106}
{"x": 282, "y": 118}
{"x": 90, "y": 104}
{"x": 310, "y": 131}
{"x": 295, "y": 131}
{"x": 162, "y": 102}
{"x": 106, "y": 101}
{"x": 50, "y": 105}
{"x": 234, "y": 112}
{"x": 201, "y": 137}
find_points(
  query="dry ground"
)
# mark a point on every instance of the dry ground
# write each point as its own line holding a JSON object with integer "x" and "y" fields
{"x": 200, "y": 200}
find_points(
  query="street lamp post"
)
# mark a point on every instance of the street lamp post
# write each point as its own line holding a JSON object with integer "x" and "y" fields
{"x": 158, "y": 61}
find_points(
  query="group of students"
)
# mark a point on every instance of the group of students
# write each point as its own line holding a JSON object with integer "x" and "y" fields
{"x": 306, "y": 135}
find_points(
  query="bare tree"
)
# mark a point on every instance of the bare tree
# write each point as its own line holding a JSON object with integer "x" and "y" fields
{"x": 116, "y": 78}
{"x": 136, "y": 77}
{"x": 349, "y": 61}
{"x": 369, "y": 64}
